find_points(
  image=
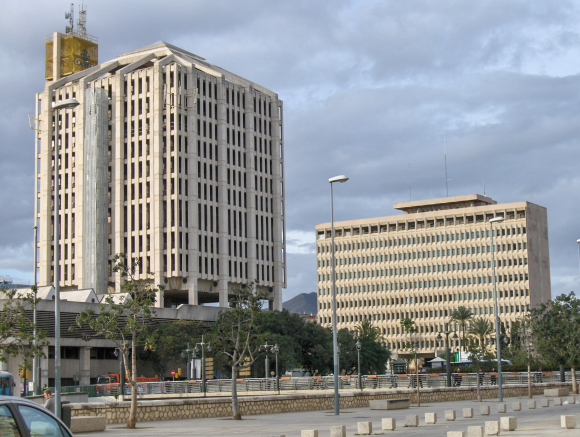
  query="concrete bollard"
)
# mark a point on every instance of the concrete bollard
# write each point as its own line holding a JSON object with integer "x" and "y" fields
{"x": 338, "y": 431}
{"x": 309, "y": 433}
{"x": 508, "y": 423}
{"x": 484, "y": 410}
{"x": 558, "y": 402}
{"x": 389, "y": 424}
{"x": 450, "y": 415}
{"x": 455, "y": 434}
{"x": 501, "y": 408}
{"x": 430, "y": 418}
{"x": 531, "y": 405}
{"x": 412, "y": 420}
{"x": 468, "y": 413}
{"x": 544, "y": 403}
{"x": 568, "y": 422}
{"x": 517, "y": 406}
{"x": 475, "y": 431}
{"x": 364, "y": 428}
{"x": 492, "y": 427}
{"x": 571, "y": 400}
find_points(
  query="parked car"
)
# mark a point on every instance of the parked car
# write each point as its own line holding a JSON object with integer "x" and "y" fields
{"x": 24, "y": 418}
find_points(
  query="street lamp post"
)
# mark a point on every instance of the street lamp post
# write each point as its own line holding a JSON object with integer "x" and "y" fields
{"x": 358, "y": 348}
{"x": 338, "y": 357}
{"x": 63, "y": 104}
{"x": 447, "y": 352}
{"x": 119, "y": 353}
{"x": 341, "y": 179}
{"x": 35, "y": 358}
{"x": 276, "y": 349}
{"x": 266, "y": 347}
{"x": 203, "y": 345}
{"x": 187, "y": 353}
{"x": 498, "y": 219}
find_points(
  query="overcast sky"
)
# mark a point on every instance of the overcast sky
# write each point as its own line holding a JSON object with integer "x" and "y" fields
{"x": 369, "y": 87}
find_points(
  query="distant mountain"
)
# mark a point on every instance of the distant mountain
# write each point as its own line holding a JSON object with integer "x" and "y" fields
{"x": 303, "y": 303}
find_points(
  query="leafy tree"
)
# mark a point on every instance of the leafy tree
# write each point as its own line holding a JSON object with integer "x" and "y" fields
{"x": 556, "y": 331}
{"x": 235, "y": 335}
{"x": 284, "y": 329}
{"x": 479, "y": 329}
{"x": 348, "y": 353}
{"x": 124, "y": 322}
{"x": 409, "y": 327}
{"x": 316, "y": 345}
{"x": 167, "y": 341}
{"x": 374, "y": 355}
{"x": 17, "y": 328}
{"x": 461, "y": 316}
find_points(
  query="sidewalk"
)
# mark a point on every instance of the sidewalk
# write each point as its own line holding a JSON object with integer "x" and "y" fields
{"x": 538, "y": 422}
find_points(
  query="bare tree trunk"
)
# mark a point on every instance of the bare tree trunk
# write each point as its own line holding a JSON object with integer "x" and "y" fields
{"x": 478, "y": 389}
{"x": 132, "y": 421}
{"x": 235, "y": 406}
{"x": 529, "y": 382}
{"x": 574, "y": 381}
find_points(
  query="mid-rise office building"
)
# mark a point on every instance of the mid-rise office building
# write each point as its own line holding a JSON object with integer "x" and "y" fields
{"x": 172, "y": 160}
{"x": 428, "y": 261}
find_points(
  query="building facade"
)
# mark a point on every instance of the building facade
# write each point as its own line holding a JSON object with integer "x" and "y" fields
{"x": 430, "y": 260}
{"x": 193, "y": 174}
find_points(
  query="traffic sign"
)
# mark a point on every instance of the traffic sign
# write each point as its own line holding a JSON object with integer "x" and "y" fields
{"x": 173, "y": 373}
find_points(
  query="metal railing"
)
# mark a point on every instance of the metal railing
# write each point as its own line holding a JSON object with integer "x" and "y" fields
{"x": 289, "y": 384}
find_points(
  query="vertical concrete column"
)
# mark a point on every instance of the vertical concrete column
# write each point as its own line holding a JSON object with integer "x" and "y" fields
{"x": 278, "y": 212}
{"x": 251, "y": 188}
{"x": 117, "y": 176}
{"x": 80, "y": 185}
{"x": 156, "y": 149}
{"x": 192, "y": 295}
{"x": 85, "y": 365}
{"x": 191, "y": 179}
{"x": 56, "y": 49}
{"x": 45, "y": 230}
{"x": 222, "y": 287}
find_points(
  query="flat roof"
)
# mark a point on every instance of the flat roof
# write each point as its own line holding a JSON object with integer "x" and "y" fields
{"x": 445, "y": 201}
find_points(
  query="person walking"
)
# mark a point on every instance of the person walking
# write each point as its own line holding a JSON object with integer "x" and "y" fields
{"x": 49, "y": 401}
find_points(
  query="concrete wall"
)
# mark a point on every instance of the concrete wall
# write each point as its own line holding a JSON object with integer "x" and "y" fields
{"x": 250, "y": 405}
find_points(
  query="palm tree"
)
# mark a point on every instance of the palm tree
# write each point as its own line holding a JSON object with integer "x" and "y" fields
{"x": 479, "y": 328}
{"x": 461, "y": 316}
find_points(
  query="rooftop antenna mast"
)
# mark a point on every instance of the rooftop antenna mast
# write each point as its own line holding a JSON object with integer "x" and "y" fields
{"x": 409, "y": 182}
{"x": 81, "y": 24}
{"x": 70, "y": 16}
{"x": 445, "y": 153}
{"x": 483, "y": 186}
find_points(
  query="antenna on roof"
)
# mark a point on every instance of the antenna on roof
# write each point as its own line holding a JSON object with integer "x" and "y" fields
{"x": 82, "y": 23}
{"x": 445, "y": 153}
{"x": 409, "y": 182}
{"x": 483, "y": 186}
{"x": 70, "y": 16}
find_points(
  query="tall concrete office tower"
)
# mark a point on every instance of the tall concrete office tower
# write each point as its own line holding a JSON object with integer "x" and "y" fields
{"x": 194, "y": 165}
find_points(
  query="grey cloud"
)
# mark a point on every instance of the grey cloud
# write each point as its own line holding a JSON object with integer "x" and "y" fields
{"x": 368, "y": 87}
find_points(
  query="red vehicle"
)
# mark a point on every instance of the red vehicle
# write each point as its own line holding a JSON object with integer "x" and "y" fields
{"x": 109, "y": 383}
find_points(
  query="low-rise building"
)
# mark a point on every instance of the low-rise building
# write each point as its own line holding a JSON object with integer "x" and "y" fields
{"x": 428, "y": 261}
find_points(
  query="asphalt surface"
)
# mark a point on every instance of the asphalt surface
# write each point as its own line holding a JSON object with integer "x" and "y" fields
{"x": 538, "y": 422}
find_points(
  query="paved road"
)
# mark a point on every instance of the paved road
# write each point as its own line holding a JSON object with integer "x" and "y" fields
{"x": 538, "y": 422}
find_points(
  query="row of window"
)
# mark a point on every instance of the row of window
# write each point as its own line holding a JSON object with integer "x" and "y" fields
{"x": 477, "y": 280}
{"x": 362, "y": 274}
{"x": 507, "y": 309}
{"x": 424, "y": 299}
{"x": 430, "y": 239}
